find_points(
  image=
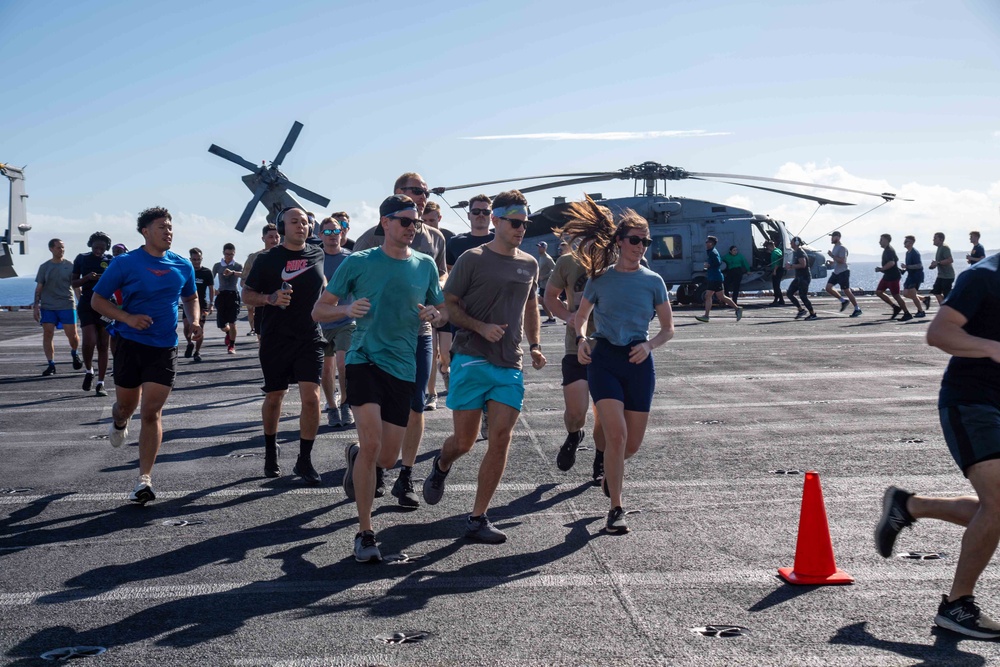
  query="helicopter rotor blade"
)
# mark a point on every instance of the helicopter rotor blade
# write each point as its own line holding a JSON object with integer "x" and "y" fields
{"x": 885, "y": 195}
{"x": 307, "y": 194}
{"x": 818, "y": 200}
{"x": 511, "y": 180}
{"x": 293, "y": 134}
{"x": 573, "y": 181}
{"x": 248, "y": 211}
{"x": 232, "y": 157}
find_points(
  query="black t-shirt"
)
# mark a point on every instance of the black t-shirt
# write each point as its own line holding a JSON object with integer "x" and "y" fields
{"x": 84, "y": 264}
{"x": 804, "y": 273}
{"x": 977, "y": 296}
{"x": 303, "y": 270}
{"x": 202, "y": 279}
{"x": 889, "y": 255}
{"x": 462, "y": 242}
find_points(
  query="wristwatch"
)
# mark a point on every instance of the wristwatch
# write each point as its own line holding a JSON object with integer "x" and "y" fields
{"x": 535, "y": 346}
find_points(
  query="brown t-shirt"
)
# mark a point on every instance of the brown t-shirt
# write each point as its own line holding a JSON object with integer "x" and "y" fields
{"x": 570, "y": 277}
{"x": 494, "y": 289}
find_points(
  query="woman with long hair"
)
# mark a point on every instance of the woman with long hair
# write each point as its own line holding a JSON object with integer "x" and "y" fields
{"x": 623, "y": 296}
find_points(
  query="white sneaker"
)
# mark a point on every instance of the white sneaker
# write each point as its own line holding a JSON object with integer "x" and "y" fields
{"x": 143, "y": 491}
{"x": 117, "y": 436}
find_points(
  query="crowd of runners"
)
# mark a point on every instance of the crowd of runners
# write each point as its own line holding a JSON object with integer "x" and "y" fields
{"x": 366, "y": 328}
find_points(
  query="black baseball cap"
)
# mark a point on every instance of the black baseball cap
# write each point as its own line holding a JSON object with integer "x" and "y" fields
{"x": 395, "y": 204}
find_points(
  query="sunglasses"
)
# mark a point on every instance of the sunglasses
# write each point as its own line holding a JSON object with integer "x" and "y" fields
{"x": 417, "y": 191}
{"x": 479, "y": 211}
{"x": 406, "y": 222}
{"x": 330, "y": 232}
{"x": 344, "y": 225}
{"x": 516, "y": 224}
{"x": 636, "y": 240}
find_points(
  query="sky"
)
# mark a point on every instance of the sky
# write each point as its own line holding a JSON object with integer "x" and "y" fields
{"x": 113, "y": 105}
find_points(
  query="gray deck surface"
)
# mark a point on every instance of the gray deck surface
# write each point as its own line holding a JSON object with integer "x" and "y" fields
{"x": 268, "y": 578}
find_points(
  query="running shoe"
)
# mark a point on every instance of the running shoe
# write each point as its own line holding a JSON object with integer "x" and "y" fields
{"x": 404, "y": 491}
{"x": 351, "y": 454}
{"x": 143, "y": 491}
{"x": 271, "y": 467}
{"x": 117, "y": 436}
{"x": 77, "y": 363}
{"x": 434, "y": 484}
{"x": 964, "y": 617}
{"x": 843, "y": 304}
{"x": 896, "y": 310}
{"x": 251, "y": 333}
{"x": 550, "y": 320}
{"x": 304, "y": 469}
{"x": 856, "y": 313}
{"x": 51, "y": 370}
{"x": 346, "y": 416}
{"x": 616, "y": 521}
{"x": 88, "y": 381}
{"x": 920, "y": 313}
{"x": 189, "y": 350}
{"x": 895, "y": 518}
{"x": 432, "y": 402}
{"x": 702, "y": 318}
{"x": 480, "y": 528}
{"x": 365, "y": 549}
{"x": 231, "y": 349}
{"x": 802, "y": 313}
{"x": 379, "y": 482}
{"x": 334, "y": 418}
{"x": 739, "y": 313}
{"x": 100, "y": 390}
{"x": 598, "y": 474}
{"x": 906, "y": 317}
{"x": 566, "y": 457}
{"x": 197, "y": 356}
{"x": 927, "y": 302}
{"x": 812, "y": 316}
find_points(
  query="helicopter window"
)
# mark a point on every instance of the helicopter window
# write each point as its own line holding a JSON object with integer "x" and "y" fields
{"x": 667, "y": 247}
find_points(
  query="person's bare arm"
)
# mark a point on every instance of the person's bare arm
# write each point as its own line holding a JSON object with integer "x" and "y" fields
{"x": 946, "y": 334}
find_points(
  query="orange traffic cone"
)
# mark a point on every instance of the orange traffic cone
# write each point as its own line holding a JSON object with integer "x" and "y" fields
{"x": 814, "y": 564}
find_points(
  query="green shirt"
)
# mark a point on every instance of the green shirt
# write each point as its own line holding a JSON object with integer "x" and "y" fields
{"x": 387, "y": 335}
{"x": 776, "y": 257}
{"x": 944, "y": 271}
{"x": 735, "y": 261}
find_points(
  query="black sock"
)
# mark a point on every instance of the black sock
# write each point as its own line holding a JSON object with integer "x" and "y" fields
{"x": 405, "y": 470}
{"x": 305, "y": 447}
{"x": 270, "y": 441}
{"x": 599, "y": 456}
{"x": 575, "y": 437}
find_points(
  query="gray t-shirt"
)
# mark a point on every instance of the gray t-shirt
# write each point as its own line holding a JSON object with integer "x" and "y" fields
{"x": 624, "y": 303}
{"x": 494, "y": 289}
{"x": 839, "y": 251}
{"x": 944, "y": 271}
{"x": 545, "y": 266}
{"x": 227, "y": 283}
{"x": 429, "y": 241}
{"x": 55, "y": 279}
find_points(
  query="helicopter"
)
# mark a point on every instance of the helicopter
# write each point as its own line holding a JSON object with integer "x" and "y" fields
{"x": 17, "y": 220}
{"x": 268, "y": 185}
{"x": 678, "y": 225}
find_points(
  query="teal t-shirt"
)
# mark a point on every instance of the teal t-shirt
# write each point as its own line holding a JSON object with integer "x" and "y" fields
{"x": 624, "y": 303}
{"x": 387, "y": 335}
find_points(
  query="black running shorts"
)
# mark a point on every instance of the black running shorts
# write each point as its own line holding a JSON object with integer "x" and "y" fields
{"x": 227, "y": 307}
{"x": 367, "y": 383}
{"x": 942, "y": 286}
{"x": 572, "y": 370}
{"x": 284, "y": 361}
{"x": 972, "y": 432}
{"x": 136, "y": 364}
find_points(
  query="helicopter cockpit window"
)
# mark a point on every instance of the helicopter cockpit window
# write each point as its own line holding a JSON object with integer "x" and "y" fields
{"x": 667, "y": 247}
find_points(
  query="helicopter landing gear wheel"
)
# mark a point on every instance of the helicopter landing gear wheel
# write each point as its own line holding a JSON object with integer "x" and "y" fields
{"x": 697, "y": 290}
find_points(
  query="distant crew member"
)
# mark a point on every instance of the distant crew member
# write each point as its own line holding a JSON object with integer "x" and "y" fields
{"x": 891, "y": 276}
{"x": 914, "y": 266}
{"x": 345, "y": 224}
{"x": 338, "y": 333}
{"x": 204, "y": 282}
{"x": 151, "y": 279}
{"x": 87, "y": 270}
{"x": 432, "y": 218}
{"x": 736, "y": 267}
{"x": 492, "y": 298}
{"x": 800, "y": 264}
{"x": 968, "y": 327}
{"x": 285, "y": 282}
{"x": 776, "y": 266}
{"x": 269, "y": 235}
{"x": 945, "y": 265}
{"x": 978, "y": 252}
{"x": 714, "y": 282}
{"x": 545, "y": 266}
{"x": 227, "y": 298}
{"x": 841, "y": 275}
{"x": 54, "y": 306}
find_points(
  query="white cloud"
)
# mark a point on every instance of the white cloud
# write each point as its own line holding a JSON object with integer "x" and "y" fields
{"x": 602, "y": 136}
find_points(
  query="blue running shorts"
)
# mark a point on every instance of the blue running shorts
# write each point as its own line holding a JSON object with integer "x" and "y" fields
{"x": 611, "y": 375}
{"x": 475, "y": 381}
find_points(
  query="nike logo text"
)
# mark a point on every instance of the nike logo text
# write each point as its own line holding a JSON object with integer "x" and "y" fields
{"x": 295, "y": 267}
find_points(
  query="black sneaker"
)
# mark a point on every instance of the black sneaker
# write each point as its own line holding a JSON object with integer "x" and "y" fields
{"x": 100, "y": 390}
{"x": 351, "y": 454}
{"x": 77, "y": 362}
{"x": 197, "y": 356}
{"x": 403, "y": 490}
{"x": 812, "y": 316}
{"x": 271, "y": 467}
{"x": 906, "y": 317}
{"x": 895, "y": 518}
{"x": 189, "y": 350}
{"x": 379, "y": 482}
{"x": 88, "y": 381}
{"x": 802, "y": 313}
{"x": 616, "y": 521}
{"x": 365, "y": 549}
{"x": 921, "y": 313}
{"x": 598, "y": 475}
{"x": 567, "y": 453}
{"x": 843, "y": 305}
{"x": 927, "y": 302}
{"x": 480, "y": 528}
{"x": 51, "y": 370}
{"x": 963, "y": 616}
{"x": 434, "y": 484}
{"x": 304, "y": 469}
{"x": 896, "y": 310}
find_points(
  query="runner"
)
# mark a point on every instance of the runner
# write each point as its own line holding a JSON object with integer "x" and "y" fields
{"x": 285, "y": 283}
{"x": 337, "y": 333}
{"x": 394, "y": 290}
{"x": 151, "y": 279}
{"x": 914, "y": 275}
{"x": 841, "y": 275}
{"x": 570, "y": 277}
{"x": 945, "y": 265}
{"x": 54, "y": 306}
{"x": 269, "y": 235}
{"x": 432, "y": 218}
{"x": 968, "y": 327}
{"x": 978, "y": 253}
{"x": 492, "y": 297}
{"x": 87, "y": 270}
{"x": 345, "y": 224}
{"x": 204, "y": 282}
{"x": 714, "y": 282}
{"x": 890, "y": 279}
{"x": 776, "y": 266}
{"x": 227, "y": 299}
{"x": 736, "y": 267}
{"x": 800, "y": 284}
{"x": 623, "y": 296}
{"x": 545, "y": 266}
